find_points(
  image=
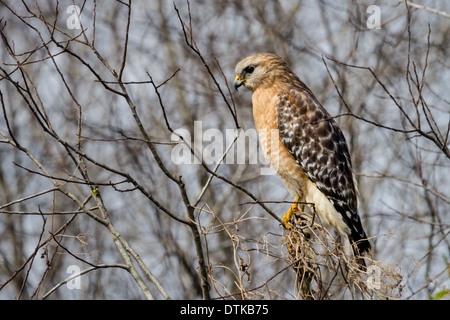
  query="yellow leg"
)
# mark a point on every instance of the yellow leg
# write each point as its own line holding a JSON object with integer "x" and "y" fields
{"x": 288, "y": 215}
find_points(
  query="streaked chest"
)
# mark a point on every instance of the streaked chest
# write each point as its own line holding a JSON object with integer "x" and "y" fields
{"x": 265, "y": 115}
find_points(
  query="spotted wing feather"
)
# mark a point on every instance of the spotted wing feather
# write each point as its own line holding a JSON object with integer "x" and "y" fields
{"x": 315, "y": 141}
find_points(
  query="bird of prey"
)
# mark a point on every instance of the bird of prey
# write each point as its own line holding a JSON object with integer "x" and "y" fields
{"x": 304, "y": 145}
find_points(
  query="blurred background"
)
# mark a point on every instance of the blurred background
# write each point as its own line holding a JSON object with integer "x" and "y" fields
{"x": 382, "y": 71}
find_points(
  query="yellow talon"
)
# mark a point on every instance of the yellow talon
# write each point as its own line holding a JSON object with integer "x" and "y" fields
{"x": 287, "y": 216}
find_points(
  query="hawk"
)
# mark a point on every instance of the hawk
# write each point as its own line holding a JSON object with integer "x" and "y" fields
{"x": 304, "y": 145}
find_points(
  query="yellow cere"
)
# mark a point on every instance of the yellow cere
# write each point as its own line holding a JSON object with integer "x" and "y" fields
{"x": 239, "y": 78}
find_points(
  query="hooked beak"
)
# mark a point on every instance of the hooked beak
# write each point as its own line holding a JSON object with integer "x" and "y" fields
{"x": 238, "y": 82}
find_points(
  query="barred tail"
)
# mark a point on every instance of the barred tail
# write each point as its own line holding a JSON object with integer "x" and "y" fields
{"x": 358, "y": 238}
{"x": 361, "y": 247}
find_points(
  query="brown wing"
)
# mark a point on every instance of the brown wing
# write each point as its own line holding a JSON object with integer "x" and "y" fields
{"x": 315, "y": 141}
{"x": 318, "y": 145}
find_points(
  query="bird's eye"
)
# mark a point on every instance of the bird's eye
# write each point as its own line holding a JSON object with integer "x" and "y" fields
{"x": 249, "y": 69}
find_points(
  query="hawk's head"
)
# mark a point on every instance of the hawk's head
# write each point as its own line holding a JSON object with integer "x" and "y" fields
{"x": 260, "y": 69}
